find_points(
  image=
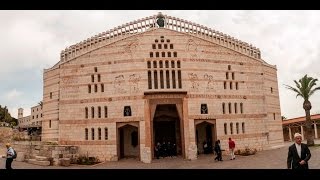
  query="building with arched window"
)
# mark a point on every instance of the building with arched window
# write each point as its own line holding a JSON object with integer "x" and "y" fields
{"x": 160, "y": 79}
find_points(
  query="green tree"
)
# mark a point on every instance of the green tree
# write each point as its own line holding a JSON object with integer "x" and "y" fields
{"x": 306, "y": 88}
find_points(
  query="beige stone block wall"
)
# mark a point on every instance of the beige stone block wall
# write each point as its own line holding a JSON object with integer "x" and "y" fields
{"x": 50, "y": 105}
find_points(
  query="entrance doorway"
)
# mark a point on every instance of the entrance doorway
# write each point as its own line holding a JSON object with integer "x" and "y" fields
{"x": 205, "y": 137}
{"x": 128, "y": 142}
{"x": 166, "y": 130}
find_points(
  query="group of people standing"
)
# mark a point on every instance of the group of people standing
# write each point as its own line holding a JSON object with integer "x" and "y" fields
{"x": 218, "y": 150}
{"x": 165, "y": 149}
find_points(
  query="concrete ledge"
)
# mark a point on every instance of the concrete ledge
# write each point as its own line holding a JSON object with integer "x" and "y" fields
{"x": 41, "y": 163}
{"x": 41, "y": 158}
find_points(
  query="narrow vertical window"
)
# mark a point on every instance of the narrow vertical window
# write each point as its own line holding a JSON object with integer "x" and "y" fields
{"x": 157, "y": 54}
{"x": 171, "y": 46}
{"x": 92, "y": 112}
{"x": 225, "y": 85}
{"x": 274, "y": 116}
{"x": 151, "y": 54}
{"x": 99, "y": 133}
{"x": 92, "y": 78}
{"x": 49, "y": 123}
{"x": 161, "y": 64}
{"x": 86, "y": 133}
{"x": 95, "y": 69}
{"x": 231, "y": 128}
{"x": 229, "y": 108}
{"x": 154, "y": 64}
{"x": 165, "y": 46}
{"x": 225, "y": 129}
{"x": 92, "y": 133}
{"x": 243, "y": 128}
{"x": 159, "y": 46}
{"x": 105, "y": 133}
{"x": 172, "y": 64}
{"x": 223, "y": 108}
{"x": 153, "y": 46}
{"x": 89, "y": 88}
{"x": 235, "y": 108}
{"x": 161, "y": 80}
{"x": 179, "y": 79}
{"x": 86, "y": 110}
{"x": 95, "y": 88}
{"x": 99, "y": 112}
{"x": 155, "y": 75}
{"x": 102, "y": 87}
{"x": 175, "y": 54}
{"x": 163, "y": 54}
{"x": 230, "y": 85}
{"x": 241, "y": 108}
{"x": 173, "y": 79}
{"x": 229, "y": 67}
{"x": 168, "y": 79}
{"x": 271, "y": 90}
{"x": 237, "y": 87}
{"x": 105, "y": 111}
{"x": 178, "y": 64}
{"x": 99, "y": 78}
{"x": 167, "y": 64}
{"x": 227, "y": 75}
{"x": 237, "y": 127}
{"x": 149, "y": 64}
{"x": 232, "y": 76}
{"x": 50, "y": 95}
{"x": 149, "y": 80}
{"x": 169, "y": 54}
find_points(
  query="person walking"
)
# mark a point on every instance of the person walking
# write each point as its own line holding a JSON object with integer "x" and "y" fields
{"x": 232, "y": 145}
{"x": 9, "y": 156}
{"x": 298, "y": 154}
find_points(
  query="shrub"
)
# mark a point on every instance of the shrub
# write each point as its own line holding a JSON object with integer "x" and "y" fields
{"x": 85, "y": 160}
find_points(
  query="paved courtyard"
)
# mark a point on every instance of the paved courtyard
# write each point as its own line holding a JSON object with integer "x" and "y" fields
{"x": 268, "y": 159}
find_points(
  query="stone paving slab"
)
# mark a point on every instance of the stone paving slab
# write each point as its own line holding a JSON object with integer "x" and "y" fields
{"x": 268, "y": 159}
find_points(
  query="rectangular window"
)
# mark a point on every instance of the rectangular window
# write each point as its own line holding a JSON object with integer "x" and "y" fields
{"x": 149, "y": 80}
{"x": 50, "y": 95}
{"x": 92, "y": 112}
{"x": 102, "y": 87}
{"x": 173, "y": 79}
{"x": 92, "y": 133}
{"x": 99, "y": 112}
{"x": 95, "y": 88}
{"x": 49, "y": 123}
{"x": 89, "y": 88}
{"x": 105, "y": 111}
{"x": 274, "y": 116}
{"x": 99, "y": 133}
{"x": 225, "y": 128}
{"x": 86, "y": 133}
{"x": 105, "y": 133}
{"x": 243, "y": 130}
{"x": 237, "y": 87}
{"x": 155, "y": 76}
{"x": 92, "y": 78}
{"x": 179, "y": 79}
{"x": 99, "y": 78}
{"x": 86, "y": 112}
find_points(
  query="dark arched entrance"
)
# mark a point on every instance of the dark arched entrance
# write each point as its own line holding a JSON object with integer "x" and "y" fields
{"x": 205, "y": 134}
{"x": 128, "y": 136}
{"x": 166, "y": 127}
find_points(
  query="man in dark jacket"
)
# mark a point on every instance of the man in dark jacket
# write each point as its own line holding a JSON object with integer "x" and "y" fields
{"x": 299, "y": 154}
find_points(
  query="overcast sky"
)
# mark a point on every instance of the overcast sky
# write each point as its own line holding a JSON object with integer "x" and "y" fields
{"x": 33, "y": 40}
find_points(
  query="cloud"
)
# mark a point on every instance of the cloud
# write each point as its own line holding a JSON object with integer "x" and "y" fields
{"x": 13, "y": 95}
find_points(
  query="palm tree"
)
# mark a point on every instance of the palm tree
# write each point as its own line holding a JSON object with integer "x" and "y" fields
{"x": 305, "y": 89}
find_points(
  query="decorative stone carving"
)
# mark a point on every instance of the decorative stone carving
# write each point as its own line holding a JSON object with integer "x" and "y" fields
{"x": 118, "y": 84}
{"x": 210, "y": 83}
{"x": 192, "y": 49}
{"x": 134, "y": 83}
{"x": 130, "y": 47}
{"x": 194, "y": 81}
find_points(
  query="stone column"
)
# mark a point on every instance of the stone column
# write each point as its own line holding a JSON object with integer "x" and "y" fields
{"x": 315, "y": 131}
{"x": 290, "y": 134}
{"x": 302, "y": 132}
{"x": 146, "y": 151}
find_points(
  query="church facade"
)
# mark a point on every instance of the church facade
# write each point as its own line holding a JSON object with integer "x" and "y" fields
{"x": 160, "y": 79}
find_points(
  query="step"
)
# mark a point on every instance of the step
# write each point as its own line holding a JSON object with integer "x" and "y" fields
{"x": 41, "y": 158}
{"x": 41, "y": 163}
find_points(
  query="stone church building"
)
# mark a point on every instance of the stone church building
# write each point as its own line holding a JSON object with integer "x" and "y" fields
{"x": 160, "y": 79}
